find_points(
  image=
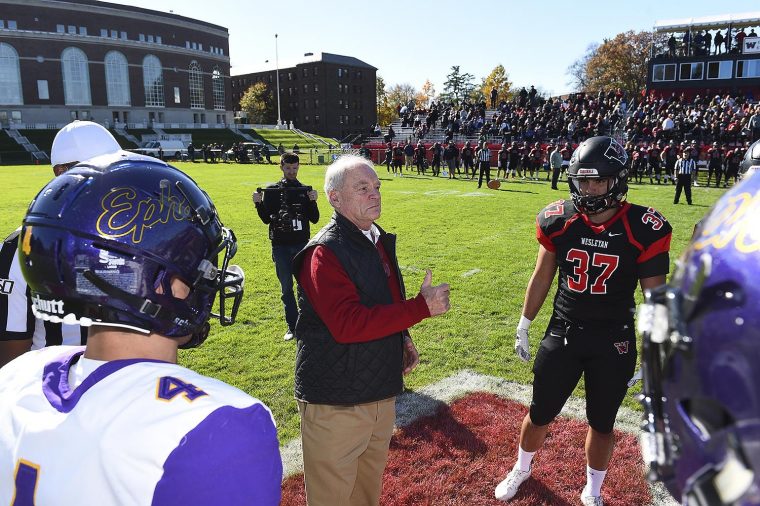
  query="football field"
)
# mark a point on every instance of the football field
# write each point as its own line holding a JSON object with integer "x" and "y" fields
{"x": 481, "y": 242}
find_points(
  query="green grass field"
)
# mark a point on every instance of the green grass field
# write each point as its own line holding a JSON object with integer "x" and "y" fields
{"x": 480, "y": 241}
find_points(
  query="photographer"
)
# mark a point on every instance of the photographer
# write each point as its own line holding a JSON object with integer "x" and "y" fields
{"x": 287, "y": 208}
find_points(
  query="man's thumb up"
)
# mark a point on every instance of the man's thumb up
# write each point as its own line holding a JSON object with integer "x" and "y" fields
{"x": 436, "y": 297}
{"x": 427, "y": 282}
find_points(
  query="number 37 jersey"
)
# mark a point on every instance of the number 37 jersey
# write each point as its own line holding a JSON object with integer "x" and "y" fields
{"x": 600, "y": 264}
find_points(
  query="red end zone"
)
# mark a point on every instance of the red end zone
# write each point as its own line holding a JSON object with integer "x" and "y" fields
{"x": 457, "y": 457}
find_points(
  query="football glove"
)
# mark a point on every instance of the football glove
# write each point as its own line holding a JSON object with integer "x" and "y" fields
{"x": 522, "y": 348}
{"x": 635, "y": 378}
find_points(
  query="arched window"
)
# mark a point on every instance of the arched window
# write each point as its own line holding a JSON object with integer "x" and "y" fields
{"x": 217, "y": 84}
{"x": 10, "y": 76}
{"x": 153, "y": 80}
{"x": 196, "y": 86}
{"x": 76, "y": 77}
{"x": 117, "y": 79}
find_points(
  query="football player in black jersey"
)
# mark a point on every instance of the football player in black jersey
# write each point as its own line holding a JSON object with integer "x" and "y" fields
{"x": 603, "y": 247}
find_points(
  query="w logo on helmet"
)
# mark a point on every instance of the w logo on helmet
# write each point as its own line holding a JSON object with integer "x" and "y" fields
{"x": 622, "y": 347}
{"x": 616, "y": 152}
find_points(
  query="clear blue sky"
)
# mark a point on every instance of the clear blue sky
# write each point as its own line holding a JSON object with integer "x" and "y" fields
{"x": 411, "y": 41}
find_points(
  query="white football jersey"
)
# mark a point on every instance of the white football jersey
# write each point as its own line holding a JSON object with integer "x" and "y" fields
{"x": 134, "y": 432}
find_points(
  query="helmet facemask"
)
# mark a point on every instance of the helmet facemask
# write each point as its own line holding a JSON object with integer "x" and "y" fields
{"x": 589, "y": 204}
{"x": 598, "y": 157}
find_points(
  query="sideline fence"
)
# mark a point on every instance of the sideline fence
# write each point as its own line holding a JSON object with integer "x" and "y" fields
{"x": 323, "y": 156}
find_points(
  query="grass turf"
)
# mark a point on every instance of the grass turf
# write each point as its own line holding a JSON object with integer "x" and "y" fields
{"x": 480, "y": 241}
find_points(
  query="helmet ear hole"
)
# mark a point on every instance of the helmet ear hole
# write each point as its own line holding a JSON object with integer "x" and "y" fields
{"x": 159, "y": 282}
{"x": 179, "y": 288}
{"x": 707, "y": 415}
{"x": 718, "y": 297}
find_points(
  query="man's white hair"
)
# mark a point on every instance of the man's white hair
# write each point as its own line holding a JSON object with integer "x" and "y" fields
{"x": 336, "y": 172}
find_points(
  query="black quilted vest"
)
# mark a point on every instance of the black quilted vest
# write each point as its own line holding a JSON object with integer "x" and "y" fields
{"x": 328, "y": 372}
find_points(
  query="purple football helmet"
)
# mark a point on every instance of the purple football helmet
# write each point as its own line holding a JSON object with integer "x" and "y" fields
{"x": 701, "y": 361}
{"x": 102, "y": 243}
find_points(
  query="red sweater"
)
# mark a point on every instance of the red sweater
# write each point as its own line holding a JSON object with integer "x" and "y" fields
{"x": 333, "y": 296}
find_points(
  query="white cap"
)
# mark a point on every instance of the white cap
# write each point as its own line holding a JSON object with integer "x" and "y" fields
{"x": 81, "y": 140}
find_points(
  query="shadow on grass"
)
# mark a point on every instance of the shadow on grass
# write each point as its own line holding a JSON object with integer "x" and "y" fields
{"x": 510, "y": 190}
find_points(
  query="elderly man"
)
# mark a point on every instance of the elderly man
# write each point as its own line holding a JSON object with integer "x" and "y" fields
{"x": 353, "y": 340}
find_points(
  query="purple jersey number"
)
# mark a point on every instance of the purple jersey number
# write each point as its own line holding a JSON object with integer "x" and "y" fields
{"x": 27, "y": 474}
{"x": 169, "y": 387}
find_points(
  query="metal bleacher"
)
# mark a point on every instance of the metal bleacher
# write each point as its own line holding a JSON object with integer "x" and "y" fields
{"x": 436, "y": 134}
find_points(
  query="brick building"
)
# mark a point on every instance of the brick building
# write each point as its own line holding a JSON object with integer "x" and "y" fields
{"x": 85, "y": 59}
{"x": 328, "y": 94}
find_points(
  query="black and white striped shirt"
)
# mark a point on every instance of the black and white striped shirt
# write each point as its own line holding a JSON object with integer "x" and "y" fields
{"x": 16, "y": 319}
{"x": 685, "y": 166}
{"x": 484, "y": 155}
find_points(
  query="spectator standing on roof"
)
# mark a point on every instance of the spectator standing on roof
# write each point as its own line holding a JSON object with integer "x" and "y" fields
{"x": 740, "y": 38}
{"x": 718, "y": 41}
{"x": 672, "y": 45}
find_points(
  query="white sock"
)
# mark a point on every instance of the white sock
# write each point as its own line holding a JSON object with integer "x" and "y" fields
{"x": 524, "y": 459}
{"x": 594, "y": 480}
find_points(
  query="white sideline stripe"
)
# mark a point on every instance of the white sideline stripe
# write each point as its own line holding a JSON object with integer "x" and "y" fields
{"x": 426, "y": 400}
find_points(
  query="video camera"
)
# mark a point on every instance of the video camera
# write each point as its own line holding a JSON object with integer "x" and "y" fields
{"x": 287, "y": 204}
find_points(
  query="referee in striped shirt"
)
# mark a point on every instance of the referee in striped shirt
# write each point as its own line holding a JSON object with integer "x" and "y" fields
{"x": 685, "y": 167}
{"x": 484, "y": 162}
{"x": 20, "y": 331}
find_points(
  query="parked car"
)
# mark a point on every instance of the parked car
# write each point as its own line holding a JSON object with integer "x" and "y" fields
{"x": 255, "y": 152}
{"x": 171, "y": 149}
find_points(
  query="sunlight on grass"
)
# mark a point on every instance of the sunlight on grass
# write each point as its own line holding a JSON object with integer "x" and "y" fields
{"x": 482, "y": 242}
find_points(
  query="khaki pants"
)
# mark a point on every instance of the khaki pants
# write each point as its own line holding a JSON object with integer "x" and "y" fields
{"x": 345, "y": 449}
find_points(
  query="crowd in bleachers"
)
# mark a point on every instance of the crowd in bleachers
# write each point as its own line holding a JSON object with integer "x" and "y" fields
{"x": 716, "y": 129}
{"x": 723, "y": 119}
{"x": 528, "y": 117}
{"x": 654, "y": 129}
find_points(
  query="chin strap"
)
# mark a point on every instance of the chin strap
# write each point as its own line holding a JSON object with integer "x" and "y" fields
{"x": 197, "y": 338}
{"x": 146, "y": 306}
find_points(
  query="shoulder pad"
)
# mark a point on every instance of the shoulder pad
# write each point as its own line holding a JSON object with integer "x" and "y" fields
{"x": 553, "y": 217}
{"x": 647, "y": 224}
